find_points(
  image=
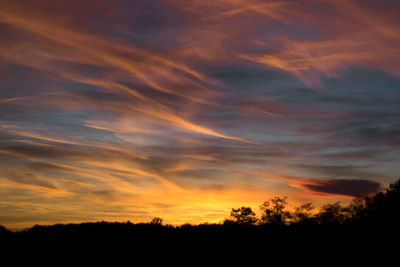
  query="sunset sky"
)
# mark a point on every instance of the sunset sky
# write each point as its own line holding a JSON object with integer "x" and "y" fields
{"x": 183, "y": 109}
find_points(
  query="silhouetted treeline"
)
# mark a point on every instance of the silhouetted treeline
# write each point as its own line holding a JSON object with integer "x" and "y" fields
{"x": 381, "y": 209}
{"x": 277, "y": 227}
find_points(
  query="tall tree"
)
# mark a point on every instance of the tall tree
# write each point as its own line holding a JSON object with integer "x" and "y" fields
{"x": 274, "y": 211}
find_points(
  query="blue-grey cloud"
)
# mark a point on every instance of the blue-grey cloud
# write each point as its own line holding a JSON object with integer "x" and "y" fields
{"x": 353, "y": 188}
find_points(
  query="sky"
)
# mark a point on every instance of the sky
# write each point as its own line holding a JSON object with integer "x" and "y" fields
{"x": 183, "y": 109}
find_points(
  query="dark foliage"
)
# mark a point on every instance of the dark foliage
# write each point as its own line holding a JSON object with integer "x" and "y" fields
{"x": 274, "y": 212}
{"x": 277, "y": 231}
{"x": 243, "y": 215}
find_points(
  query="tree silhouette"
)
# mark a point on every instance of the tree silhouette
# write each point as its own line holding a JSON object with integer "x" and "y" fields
{"x": 274, "y": 212}
{"x": 384, "y": 207}
{"x": 303, "y": 213}
{"x": 156, "y": 221}
{"x": 333, "y": 214}
{"x": 243, "y": 215}
{"x": 356, "y": 209}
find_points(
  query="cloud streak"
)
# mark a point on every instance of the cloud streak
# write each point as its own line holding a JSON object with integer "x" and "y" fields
{"x": 352, "y": 188}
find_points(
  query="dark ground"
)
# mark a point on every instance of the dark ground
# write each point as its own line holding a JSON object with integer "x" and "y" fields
{"x": 368, "y": 233}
